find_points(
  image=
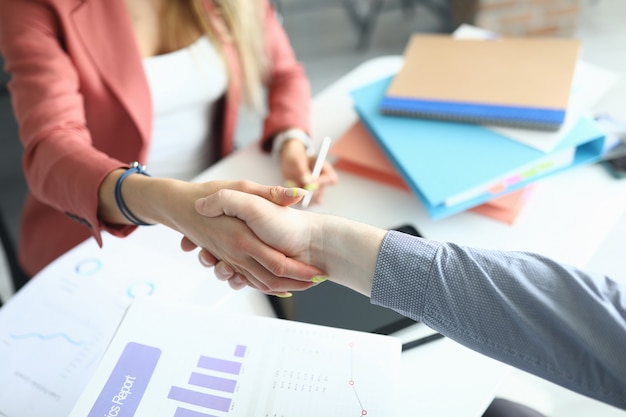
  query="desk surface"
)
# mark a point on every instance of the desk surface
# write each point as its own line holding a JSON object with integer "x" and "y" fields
{"x": 568, "y": 218}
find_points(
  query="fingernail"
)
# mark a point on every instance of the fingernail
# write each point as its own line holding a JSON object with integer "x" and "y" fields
{"x": 319, "y": 278}
{"x": 306, "y": 178}
{"x": 295, "y": 192}
{"x": 224, "y": 271}
{"x": 204, "y": 262}
{"x": 238, "y": 280}
{"x": 200, "y": 203}
{"x": 289, "y": 183}
{"x": 312, "y": 187}
{"x": 283, "y": 295}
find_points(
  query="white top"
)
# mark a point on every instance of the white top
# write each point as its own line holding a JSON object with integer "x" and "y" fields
{"x": 185, "y": 86}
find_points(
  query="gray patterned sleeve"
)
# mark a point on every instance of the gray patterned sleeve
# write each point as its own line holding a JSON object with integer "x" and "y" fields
{"x": 549, "y": 319}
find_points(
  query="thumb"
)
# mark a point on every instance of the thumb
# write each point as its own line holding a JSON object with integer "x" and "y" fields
{"x": 282, "y": 196}
{"x": 285, "y": 196}
{"x": 206, "y": 206}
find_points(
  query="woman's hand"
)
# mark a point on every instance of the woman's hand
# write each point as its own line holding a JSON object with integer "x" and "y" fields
{"x": 246, "y": 257}
{"x": 296, "y": 167}
{"x": 172, "y": 203}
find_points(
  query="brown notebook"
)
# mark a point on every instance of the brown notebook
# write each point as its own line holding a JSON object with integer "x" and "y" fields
{"x": 522, "y": 82}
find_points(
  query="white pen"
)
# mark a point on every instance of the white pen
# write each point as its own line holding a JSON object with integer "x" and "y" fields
{"x": 317, "y": 168}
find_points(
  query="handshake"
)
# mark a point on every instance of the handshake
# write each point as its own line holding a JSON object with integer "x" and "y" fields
{"x": 516, "y": 307}
{"x": 277, "y": 249}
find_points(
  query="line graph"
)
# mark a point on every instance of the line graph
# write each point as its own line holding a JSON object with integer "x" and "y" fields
{"x": 351, "y": 381}
{"x": 46, "y": 337}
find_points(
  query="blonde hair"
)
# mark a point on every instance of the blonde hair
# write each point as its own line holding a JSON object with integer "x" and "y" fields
{"x": 244, "y": 22}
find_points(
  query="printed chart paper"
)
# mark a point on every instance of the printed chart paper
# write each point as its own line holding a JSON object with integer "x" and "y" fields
{"x": 53, "y": 334}
{"x": 182, "y": 361}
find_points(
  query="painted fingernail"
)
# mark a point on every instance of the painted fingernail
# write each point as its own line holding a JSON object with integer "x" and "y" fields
{"x": 318, "y": 279}
{"x": 306, "y": 178}
{"x": 295, "y": 192}
{"x": 283, "y": 295}
{"x": 312, "y": 187}
{"x": 289, "y": 183}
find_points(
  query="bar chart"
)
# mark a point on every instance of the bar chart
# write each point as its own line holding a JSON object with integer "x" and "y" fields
{"x": 210, "y": 378}
{"x": 215, "y": 364}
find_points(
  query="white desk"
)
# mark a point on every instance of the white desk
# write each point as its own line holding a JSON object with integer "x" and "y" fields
{"x": 568, "y": 218}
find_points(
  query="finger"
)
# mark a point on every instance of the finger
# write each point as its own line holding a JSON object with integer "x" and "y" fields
{"x": 267, "y": 263}
{"x": 267, "y": 282}
{"x": 285, "y": 196}
{"x": 238, "y": 282}
{"x": 206, "y": 258}
{"x": 284, "y": 294}
{"x": 329, "y": 174}
{"x": 223, "y": 271}
{"x": 187, "y": 245}
{"x": 260, "y": 278}
{"x": 214, "y": 204}
{"x": 275, "y": 193}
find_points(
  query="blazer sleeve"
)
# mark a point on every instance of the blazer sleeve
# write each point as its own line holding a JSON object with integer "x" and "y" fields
{"x": 288, "y": 88}
{"x": 62, "y": 168}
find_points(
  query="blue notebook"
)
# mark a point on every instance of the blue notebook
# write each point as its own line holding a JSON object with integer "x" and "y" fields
{"x": 442, "y": 160}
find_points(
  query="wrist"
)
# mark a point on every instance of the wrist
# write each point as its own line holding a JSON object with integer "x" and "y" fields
{"x": 292, "y": 137}
{"x": 136, "y": 168}
{"x": 166, "y": 201}
{"x": 350, "y": 250}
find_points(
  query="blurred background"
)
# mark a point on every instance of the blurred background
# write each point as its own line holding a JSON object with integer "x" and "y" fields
{"x": 331, "y": 37}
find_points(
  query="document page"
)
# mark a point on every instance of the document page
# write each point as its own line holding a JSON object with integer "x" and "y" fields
{"x": 54, "y": 331}
{"x": 182, "y": 361}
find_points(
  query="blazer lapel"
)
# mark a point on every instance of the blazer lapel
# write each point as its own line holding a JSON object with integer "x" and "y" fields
{"x": 106, "y": 31}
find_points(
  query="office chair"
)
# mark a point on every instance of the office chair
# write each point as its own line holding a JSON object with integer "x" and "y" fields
{"x": 363, "y": 14}
{"x": 17, "y": 277}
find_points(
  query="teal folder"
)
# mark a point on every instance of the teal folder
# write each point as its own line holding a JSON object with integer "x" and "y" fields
{"x": 439, "y": 160}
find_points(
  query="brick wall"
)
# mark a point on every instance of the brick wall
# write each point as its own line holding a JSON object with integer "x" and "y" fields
{"x": 528, "y": 17}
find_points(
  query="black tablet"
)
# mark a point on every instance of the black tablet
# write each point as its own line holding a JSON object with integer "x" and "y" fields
{"x": 330, "y": 304}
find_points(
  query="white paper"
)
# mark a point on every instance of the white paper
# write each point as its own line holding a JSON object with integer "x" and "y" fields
{"x": 198, "y": 362}
{"x": 590, "y": 83}
{"x": 54, "y": 331}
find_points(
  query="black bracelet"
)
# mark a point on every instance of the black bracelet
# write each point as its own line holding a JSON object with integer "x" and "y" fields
{"x": 135, "y": 168}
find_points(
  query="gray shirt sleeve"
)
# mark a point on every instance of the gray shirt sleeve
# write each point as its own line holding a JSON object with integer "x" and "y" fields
{"x": 549, "y": 319}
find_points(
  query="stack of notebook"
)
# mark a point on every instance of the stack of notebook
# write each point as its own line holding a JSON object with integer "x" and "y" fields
{"x": 470, "y": 124}
{"x": 357, "y": 152}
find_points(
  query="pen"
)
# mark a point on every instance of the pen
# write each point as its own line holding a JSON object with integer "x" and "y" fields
{"x": 317, "y": 168}
{"x": 421, "y": 341}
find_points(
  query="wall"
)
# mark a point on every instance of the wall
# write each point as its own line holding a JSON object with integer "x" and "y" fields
{"x": 529, "y": 17}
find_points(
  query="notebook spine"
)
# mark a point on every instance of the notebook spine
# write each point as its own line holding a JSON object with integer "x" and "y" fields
{"x": 526, "y": 124}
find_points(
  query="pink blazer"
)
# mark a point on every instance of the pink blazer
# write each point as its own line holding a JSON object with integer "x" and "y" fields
{"x": 83, "y": 107}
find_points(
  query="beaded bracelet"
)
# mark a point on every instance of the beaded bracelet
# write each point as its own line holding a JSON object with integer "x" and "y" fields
{"x": 135, "y": 168}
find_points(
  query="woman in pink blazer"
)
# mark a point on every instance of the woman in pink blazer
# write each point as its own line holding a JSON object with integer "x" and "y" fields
{"x": 83, "y": 104}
